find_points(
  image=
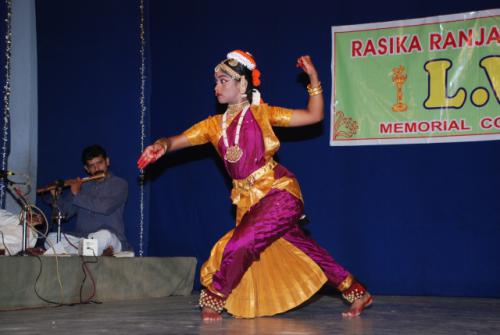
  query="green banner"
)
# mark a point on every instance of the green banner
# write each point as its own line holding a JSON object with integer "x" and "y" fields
{"x": 425, "y": 80}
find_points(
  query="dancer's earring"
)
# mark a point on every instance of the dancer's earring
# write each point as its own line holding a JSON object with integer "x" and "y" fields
{"x": 243, "y": 87}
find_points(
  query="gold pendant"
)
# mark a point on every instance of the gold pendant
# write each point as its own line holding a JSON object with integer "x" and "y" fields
{"x": 233, "y": 154}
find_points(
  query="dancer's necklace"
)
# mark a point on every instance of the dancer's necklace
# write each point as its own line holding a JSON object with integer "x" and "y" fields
{"x": 234, "y": 109}
{"x": 234, "y": 152}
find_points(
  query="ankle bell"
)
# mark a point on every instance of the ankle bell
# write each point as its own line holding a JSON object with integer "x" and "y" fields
{"x": 354, "y": 292}
{"x": 212, "y": 301}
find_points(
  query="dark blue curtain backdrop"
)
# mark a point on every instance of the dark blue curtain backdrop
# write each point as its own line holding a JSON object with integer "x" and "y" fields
{"x": 3, "y": 49}
{"x": 89, "y": 88}
{"x": 407, "y": 219}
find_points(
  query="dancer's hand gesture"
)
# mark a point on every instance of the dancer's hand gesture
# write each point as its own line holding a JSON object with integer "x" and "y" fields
{"x": 151, "y": 155}
{"x": 306, "y": 64}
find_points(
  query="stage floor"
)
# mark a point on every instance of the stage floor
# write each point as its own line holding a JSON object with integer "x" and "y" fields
{"x": 179, "y": 315}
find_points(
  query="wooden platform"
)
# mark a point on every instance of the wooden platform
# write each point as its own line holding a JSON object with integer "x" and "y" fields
{"x": 27, "y": 281}
{"x": 179, "y": 315}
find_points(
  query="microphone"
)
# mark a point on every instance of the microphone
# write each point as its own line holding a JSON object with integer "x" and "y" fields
{"x": 6, "y": 173}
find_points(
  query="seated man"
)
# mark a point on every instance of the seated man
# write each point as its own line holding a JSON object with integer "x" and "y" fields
{"x": 98, "y": 205}
{"x": 11, "y": 232}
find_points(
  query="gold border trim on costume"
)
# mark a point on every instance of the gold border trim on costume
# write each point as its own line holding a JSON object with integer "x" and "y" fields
{"x": 346, "y": 283}
{"x": 248, "y": 182}
{"x": 213, "y": 291}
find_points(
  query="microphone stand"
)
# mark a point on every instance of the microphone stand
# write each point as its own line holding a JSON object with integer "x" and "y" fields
{"x": 59, "y": 217}
{"x": 55, "y": 189}
{"x": 57, "y": 214}
{"x": 25, "y": 242}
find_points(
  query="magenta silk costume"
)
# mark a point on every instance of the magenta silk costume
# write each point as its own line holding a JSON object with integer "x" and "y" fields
{"x": 266, "y": 264}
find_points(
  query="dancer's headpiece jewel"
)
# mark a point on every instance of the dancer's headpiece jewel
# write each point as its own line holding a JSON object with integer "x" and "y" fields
{"x": 241, "y": 57}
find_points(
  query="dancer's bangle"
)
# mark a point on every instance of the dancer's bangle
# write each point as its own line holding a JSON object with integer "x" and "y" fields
{"x": 314, "y": 90}
{"x": 163, "y": 143}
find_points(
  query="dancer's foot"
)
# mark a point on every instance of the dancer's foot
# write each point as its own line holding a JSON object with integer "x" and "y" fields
{"x": 208, "y": 314}
{"x": 358, "y": 306}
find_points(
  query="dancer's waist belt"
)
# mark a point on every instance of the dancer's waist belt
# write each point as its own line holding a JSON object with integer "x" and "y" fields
{"x": 249, "y": 181}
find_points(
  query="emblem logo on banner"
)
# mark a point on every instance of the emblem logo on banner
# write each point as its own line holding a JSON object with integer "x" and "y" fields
{"x": 424, "y": 80}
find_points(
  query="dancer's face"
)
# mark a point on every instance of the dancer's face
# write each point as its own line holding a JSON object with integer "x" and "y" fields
{"x": 227, "y": 90}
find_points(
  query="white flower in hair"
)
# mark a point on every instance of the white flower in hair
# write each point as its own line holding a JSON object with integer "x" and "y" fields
{"x": 255, "y": 97}
{"x": 240, "y": 58}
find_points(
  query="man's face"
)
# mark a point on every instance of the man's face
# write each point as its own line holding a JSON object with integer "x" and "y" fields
{"x": 97, "y": 165}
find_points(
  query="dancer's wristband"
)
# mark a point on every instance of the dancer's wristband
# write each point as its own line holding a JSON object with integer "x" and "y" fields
{"x": 163, "y": 143}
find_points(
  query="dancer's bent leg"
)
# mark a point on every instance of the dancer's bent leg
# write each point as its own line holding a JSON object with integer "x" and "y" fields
{"x": 271, "y": 218}
{"x": 335, "y": 273}
{"x": 264, "y": 223}
{"x": 352, "y": 291}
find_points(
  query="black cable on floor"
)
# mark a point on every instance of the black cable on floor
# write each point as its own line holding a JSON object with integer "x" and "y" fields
{"x": 86, "y": 269}
{"x": 36, "y": 281}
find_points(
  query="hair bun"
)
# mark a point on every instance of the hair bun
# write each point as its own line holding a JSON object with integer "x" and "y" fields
{"x": 256, "y": 77}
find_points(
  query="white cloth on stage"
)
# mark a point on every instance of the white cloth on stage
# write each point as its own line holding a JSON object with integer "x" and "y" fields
{"x": 69, "y": 243}
{"x": 12, "y": 232}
